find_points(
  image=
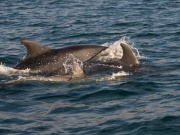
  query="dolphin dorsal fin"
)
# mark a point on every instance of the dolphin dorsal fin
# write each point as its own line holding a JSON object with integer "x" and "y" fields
{"x": 77, "y": 71}
{"x": 128, "y": 59}
{"x": 33, "y": 48}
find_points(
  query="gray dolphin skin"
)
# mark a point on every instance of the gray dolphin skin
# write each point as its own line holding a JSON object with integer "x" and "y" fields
{"x": 50, "y": 61}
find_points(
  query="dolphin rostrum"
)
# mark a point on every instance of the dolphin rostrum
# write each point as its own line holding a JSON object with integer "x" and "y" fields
{"x": 50, "y": 62}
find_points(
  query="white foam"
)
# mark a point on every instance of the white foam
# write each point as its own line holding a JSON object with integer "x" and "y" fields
{"x": 8, "y": 71}
{"x": 114, "y": 76}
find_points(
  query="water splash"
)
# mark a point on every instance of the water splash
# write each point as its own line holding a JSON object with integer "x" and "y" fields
{"x": 68, "y": 64}
{"x": 115, "y": 51}
{"x": 128, "y": 41}
{"x": 8, "y": 71}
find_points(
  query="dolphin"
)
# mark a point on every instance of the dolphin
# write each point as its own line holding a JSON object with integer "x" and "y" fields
{"x": 128, "y": 59}
{"x": 50, "y": 62}
{"x": 77, "y": 73}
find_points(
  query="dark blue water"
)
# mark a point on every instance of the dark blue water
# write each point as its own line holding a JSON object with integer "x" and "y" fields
{"x": 144, "y": 102}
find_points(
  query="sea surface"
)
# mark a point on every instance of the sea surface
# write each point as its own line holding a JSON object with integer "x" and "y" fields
{"x": 142, "y": 101}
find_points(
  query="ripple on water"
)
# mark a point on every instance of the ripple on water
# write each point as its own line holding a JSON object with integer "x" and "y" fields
{"x": 144, "y": 102}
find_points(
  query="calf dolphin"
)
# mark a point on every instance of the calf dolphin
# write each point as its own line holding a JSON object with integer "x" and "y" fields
{"x": 50, "y": 62}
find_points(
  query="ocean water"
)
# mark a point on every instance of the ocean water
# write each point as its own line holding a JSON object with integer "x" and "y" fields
{"x": 141, "y": 101}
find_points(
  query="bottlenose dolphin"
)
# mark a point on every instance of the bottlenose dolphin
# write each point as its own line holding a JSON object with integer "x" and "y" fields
{"x": 128, "y": 59}
{"x": 50, "y": 62}
{"x": 77, "y": 73}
